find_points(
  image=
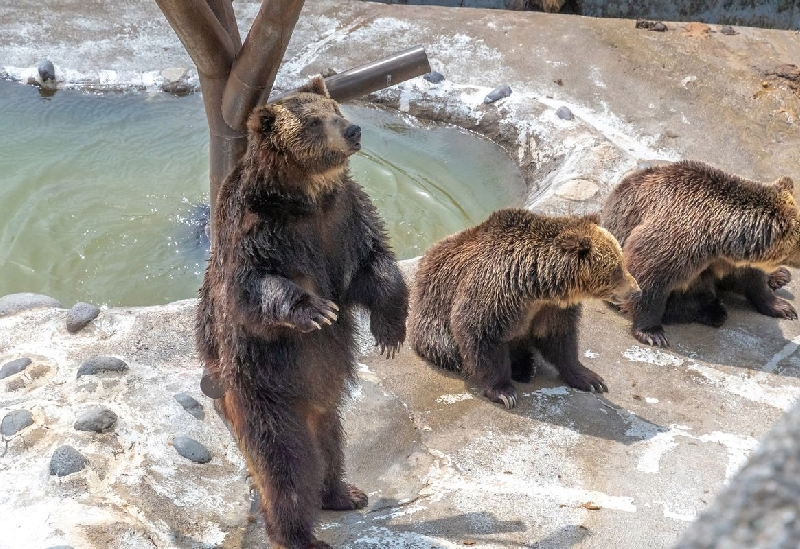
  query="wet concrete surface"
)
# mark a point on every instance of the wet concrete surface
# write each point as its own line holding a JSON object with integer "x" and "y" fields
{"x": 443, "y": 467}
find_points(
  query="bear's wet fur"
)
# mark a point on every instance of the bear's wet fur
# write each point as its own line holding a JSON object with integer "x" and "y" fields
{"x": 296, "y": 246}
{"x": 688, "y": 230}
{"x": 485, "y": 299}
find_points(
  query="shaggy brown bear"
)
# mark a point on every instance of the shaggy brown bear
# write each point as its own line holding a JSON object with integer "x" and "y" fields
{"x": 688, "y": 229}
{"x": 483, "y": 300}
{"x": 296, "y": 245}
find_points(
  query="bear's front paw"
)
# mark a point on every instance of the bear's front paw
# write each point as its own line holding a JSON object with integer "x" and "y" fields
{"x": 504, "y": 393}
{"x": 652, "y": 336}
{"x": 581, "y": 377}
{"x": 312, "y": 312}
{"x": 780, "y": 308}
{"x": 389, "y": 335}
{"x": 779, "y": 278}
{"x": 346, "y": 497}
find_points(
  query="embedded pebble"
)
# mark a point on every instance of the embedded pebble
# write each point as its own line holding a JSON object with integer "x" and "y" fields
{"x": 47, "y": 71}
{"x": 727, "y": 29}
{"x": 14, "y": 367}
{"x": 100, "y": 364}
{"x": 15, "y": 303}
{"x": 97, "y": 419}
{"x": 66, "y": 460}
{"x": 190, "y": 405}
{"x": 578, "y": 189}
{"x": 497, "y": 94}
{"x": 434, "y": 77}
{"x": 80, "y": 315}
{"x": 564, "y": 113}
{"x": 15, "y": 421}
{"x": 191, "y": 449}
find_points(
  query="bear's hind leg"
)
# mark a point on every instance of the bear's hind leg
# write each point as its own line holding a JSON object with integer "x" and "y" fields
{"x": 755, "y": 284}
{"x": 337, "y": 495}
{"x": 698, "y": 303}
{"x": 284, "y": 465}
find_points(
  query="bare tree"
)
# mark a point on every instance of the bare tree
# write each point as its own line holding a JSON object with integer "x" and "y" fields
{"x": 235, "y": 77}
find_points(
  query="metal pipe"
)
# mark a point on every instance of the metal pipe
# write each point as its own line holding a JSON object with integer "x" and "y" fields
{"x": 205, "y": 39}
{"x": 375, "y": 76}
{"x": 254, "y": 69}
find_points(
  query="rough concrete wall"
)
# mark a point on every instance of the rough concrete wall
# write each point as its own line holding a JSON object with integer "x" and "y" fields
{"x": 777, "y": 14}
{"x": 761, "y": 506}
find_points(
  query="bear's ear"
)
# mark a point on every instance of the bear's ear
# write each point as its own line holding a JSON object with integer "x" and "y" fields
{"x": 784, "y": 184}
{"x": 316, "y": 85}
{"x": 592, "y": 218}
{"x": 262, "y": 119}
{"x": 574, "y": 243}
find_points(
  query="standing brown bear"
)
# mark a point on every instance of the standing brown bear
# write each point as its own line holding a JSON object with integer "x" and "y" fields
{"x": 483, "y": 300}
{"x": 296, "y": 245}
{"x": 688, "y": 229}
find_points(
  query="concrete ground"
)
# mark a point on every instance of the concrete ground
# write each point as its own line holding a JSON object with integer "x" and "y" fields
{"x": 443, "y": 467}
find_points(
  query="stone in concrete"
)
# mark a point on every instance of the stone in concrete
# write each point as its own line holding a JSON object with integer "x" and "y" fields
{"x": 564, "y": 113}
{"x": 97, "y": 419}
{"x": 15, "y": 303}
{"x": 434, "y": 77}
{"x": 80, "y": 315}
{"x": 46, "y": 70}
{"x": 14, "y": 367}
{"x": 15, "y": 421}
{"x": 497, "y": 94}
{"x": 67, "y": 460}
{"x": 578, "y": 189}
{"x": 191, "y": 449}
{"x": 102, "y": 364}
{"x": 190, "y": 405}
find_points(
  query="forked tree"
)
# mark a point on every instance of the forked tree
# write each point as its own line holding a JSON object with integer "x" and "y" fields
{"x": 235, "y": 77}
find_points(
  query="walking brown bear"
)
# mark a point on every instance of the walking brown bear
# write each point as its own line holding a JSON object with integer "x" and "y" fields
{"x": 296, "y": 245}
{"x": 688, "y": 229}
{"x": 483, "y": 300}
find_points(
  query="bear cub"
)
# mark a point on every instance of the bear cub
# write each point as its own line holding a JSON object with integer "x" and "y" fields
{"x": 688, "y": 230}
{"x": 484, "y": 299}
{"x": 296, "y": 246}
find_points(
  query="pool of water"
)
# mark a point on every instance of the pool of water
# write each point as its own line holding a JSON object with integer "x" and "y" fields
{"x": 102, "y": 197}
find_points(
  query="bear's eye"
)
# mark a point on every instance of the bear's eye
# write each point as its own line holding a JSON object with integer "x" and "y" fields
{"x": 314, "y": 123}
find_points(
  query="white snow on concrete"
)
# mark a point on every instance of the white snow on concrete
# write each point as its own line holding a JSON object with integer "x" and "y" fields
{"x": 652, "y": 356}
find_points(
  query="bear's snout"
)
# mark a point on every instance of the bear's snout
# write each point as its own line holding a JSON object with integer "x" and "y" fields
{"x": 353, "y": 135}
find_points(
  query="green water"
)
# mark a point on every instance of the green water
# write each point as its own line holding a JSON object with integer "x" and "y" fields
{"x": 101, "y": 195}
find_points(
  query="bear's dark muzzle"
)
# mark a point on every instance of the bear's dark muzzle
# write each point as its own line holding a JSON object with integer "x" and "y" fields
{"x": 353, "y": 136}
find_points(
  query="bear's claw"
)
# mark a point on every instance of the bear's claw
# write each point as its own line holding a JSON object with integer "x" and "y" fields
{"x": 779, "y": 278}
{"x": 654, "y": 336}
{"x": 507, "y": 395}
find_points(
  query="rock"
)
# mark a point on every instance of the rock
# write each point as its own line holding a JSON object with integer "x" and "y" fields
{"x": 80, "y": 315}
{"x": 564, "y": 113}
{"x": 578, "y": 189}
{"x": 15, "y": 421}
{"x": 14, "y": 367}
{"x": 176, "y": 81}
{"x": 434, "y": 77}
{"x": 66, "y": 460}
{"x": 15, "y": 303}
{"x": 191, "y": 449}
{"x": 191, "y": 405}
{"x": 727, "y": 29}
{"x": 47, "y": 71}
{"x": 497, "y": 94}
{"x": 97, "y": 419}
{"x": 651, "y": 25}
{"x": 102, "y": 364}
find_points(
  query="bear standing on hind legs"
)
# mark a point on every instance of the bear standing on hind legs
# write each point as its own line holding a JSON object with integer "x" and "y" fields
{"x": 688, "y": 229}
{"x": 485, "y": 299}
{"x": 296, "y": 245}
